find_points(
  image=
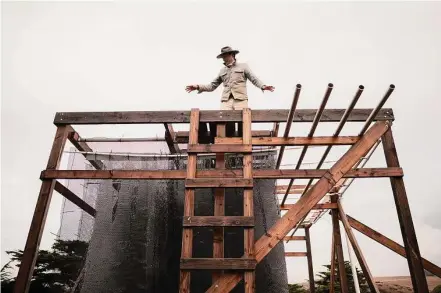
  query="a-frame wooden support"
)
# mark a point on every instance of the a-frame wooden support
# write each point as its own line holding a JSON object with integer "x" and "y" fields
{"x": 282, "y": 227}
{"x": 389, "y": 243}
{"x": 361, "y": 260}
{"x": 338, "y": 246}
{"x": 415, "y": 263}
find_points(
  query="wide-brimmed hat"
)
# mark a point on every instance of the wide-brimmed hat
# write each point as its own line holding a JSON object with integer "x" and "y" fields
{"x": 227, "y": 50}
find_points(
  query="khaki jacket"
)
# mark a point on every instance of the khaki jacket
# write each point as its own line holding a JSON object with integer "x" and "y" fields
{"x": 234, "y": 79}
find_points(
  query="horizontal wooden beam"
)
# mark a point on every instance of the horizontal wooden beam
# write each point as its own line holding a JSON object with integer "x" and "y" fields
{"x": 182, "y": 136}
{"x": 216, "y": 148}
{"x": 295, "y": 254}
{"x": 218, "y": 264}
{"x": 64, "y": 191}
{"x": 218, "y": 183}
{"x": 181, "y": 174}
{"x": 319, "y": 206}
{"x": 293, "y": 141}
{"x": 293, "y": 187}
{"x": 218, "y": 221}
{"x": 389, "y": 243}
{"x": 274, "y": 115}
{"x": 294, "y": 238}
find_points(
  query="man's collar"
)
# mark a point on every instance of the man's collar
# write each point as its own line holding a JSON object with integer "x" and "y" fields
{"x": 231, "y": 64}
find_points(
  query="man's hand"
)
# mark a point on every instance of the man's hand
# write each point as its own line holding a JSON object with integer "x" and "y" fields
{"x": 268, "y": 88}
{"x": 191, "y": 88}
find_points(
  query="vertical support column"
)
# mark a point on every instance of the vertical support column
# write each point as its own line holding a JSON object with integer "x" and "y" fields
{"x": 332, "y": 278}
{"x": 219, "y": 205}
{"x": 187, "y": 235}
{"x": 248, "y": 200}
{"x": 309, "y": 256}
{"x": 414, "y": 261}
{"x": 39, "y": 219}
{"x": 339, "y": 248}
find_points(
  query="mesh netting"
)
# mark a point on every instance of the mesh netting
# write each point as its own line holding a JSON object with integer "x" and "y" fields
{"x": 136, "y": 240}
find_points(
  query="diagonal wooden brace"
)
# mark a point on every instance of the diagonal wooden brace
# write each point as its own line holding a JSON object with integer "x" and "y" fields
{"x": 282, "y": 227}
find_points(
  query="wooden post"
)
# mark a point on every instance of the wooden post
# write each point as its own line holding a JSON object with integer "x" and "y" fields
{"x": 414, "y": 261}
{"x": 332, "y": 278}
{"x": 304, "y": 205}
{"x": 357, "y": 250}
{"x": 39, "y": 219}
{"x": 339, "y": 248}
{"x": 248, "y": 208}
{"x": 187, "y": 235}
{"x": 309, "y": 256}
{"x": 219, "y": 206}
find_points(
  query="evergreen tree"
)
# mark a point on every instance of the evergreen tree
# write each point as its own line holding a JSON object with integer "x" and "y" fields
{"x": 55, "y": 271}
{"x": 323, "y": 283}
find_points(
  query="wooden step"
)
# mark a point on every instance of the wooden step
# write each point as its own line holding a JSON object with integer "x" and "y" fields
{"x": 295, "y": 254}
{"x": 218, "y": 221}
{"x": 218, "y": 264}
{"x": 218, "y": 182}
{"x": 217, "y": 148}
{"x": 294, "y": 238}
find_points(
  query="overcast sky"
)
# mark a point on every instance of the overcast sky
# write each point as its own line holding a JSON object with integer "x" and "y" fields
{"x": 140, "y": 56}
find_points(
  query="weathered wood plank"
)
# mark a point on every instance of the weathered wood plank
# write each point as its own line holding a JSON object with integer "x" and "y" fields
{"x": 187, "y": 234}
{"x": 218, "y": 182}
{"x": 279, "y": 115}
{"x": 332, "y": 269}
{"x": 219, "y": 148}
{"x": 169, "y": 138}
{"x": 82, "y": 146}
{"x": 64, "y": 191}
{"x": 248, "y": 206}
{"x": 181, "y": 174}
{"x": 218, "y": 264}
{"x": 309, "y": 257}
{"x": 295, "y": 254}
{"x": 304, "y": 205}
{"x": 219, "y": 205}
{"x": 339, "y": 248}
{"x": 39, "y": 219}
{"x": 361, "y": 260}
{"x": 294, "y": 238}
{"x": 319, "y": 206}
{"x": 416, "y": 269}
{"x": 293, "y": 141}
{"x": 218, "y": 221}
{"x": 182, "y": 136}
{"x": 389, "y": 243}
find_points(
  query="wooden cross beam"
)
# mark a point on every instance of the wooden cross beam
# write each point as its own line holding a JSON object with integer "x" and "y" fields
{"x": 282, "y": 227}
{"x": 389, "y": 243}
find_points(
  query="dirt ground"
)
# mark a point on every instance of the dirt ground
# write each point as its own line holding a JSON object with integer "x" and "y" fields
{"x": 402, "y": 284}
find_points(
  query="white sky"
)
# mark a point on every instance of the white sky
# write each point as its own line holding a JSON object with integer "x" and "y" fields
{"x": 140, "y": 56}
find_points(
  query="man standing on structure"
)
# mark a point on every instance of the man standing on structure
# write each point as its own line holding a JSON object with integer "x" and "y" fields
{"x": 234, "y": 77}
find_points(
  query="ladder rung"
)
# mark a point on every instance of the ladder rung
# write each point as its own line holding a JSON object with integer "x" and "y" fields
{"x": 295, "y": 254}
{"x": 218, "y": 264}
{"x": 294, "y": 238}
{"x": 218, "y": 182}
{"x": 219, "y": 148}
{"x": 218, "y": 221}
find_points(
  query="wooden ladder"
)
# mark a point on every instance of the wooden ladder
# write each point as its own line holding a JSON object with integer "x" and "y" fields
{"x": 223, "y": 145}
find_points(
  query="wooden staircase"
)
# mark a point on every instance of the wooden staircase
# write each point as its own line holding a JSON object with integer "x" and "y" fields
{"x": 247, "y": 263}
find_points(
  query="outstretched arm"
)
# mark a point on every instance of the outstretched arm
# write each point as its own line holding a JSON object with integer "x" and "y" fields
{"x": 205, "y": 87}
{"x": 256, "y": 81}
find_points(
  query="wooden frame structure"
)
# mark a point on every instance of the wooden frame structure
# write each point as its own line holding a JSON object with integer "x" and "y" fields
{"x": 218, "y": 141}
